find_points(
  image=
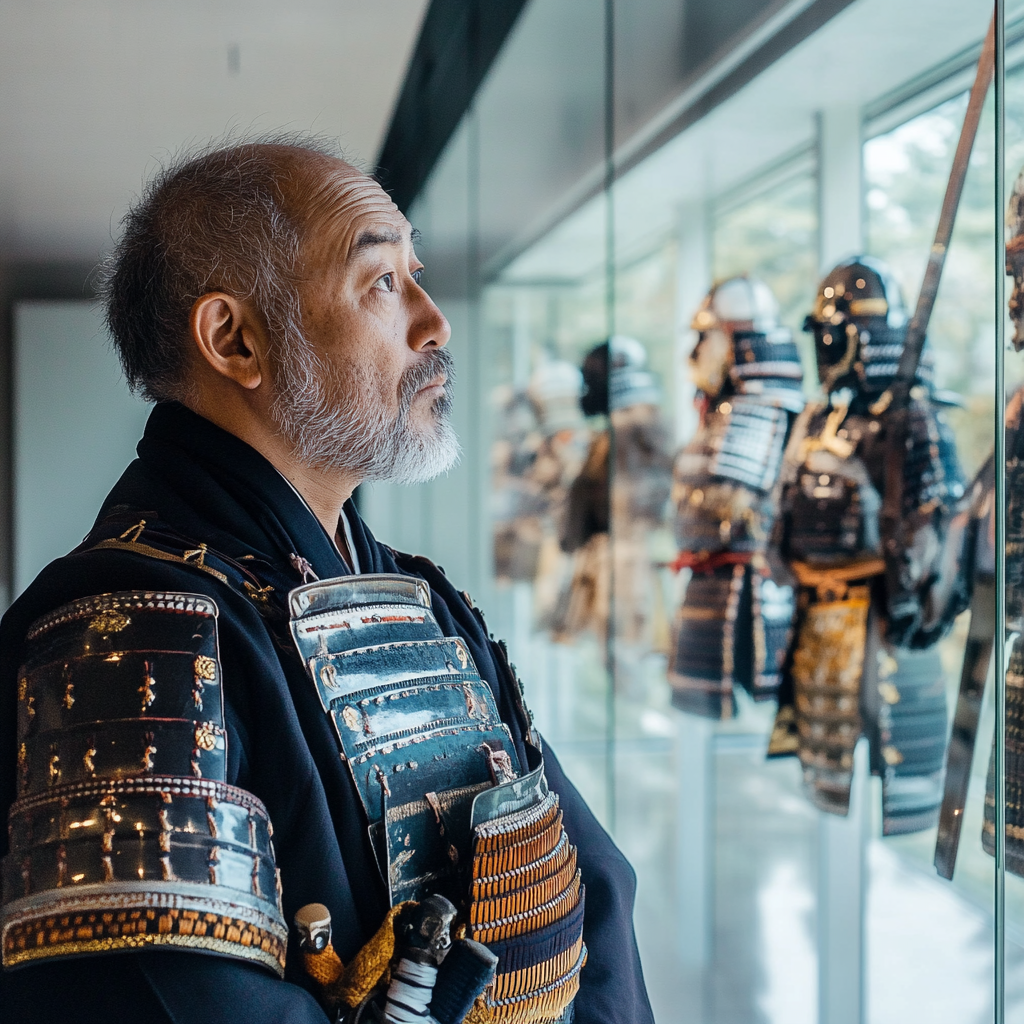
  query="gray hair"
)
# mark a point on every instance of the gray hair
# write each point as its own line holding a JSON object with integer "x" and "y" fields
{"x": 213, "y": 219}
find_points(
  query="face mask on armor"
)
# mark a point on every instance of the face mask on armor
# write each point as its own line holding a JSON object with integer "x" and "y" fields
{"x": 862, "y": 660}
{"x": 859, "y": 322}
{"x": 734, "y": 622}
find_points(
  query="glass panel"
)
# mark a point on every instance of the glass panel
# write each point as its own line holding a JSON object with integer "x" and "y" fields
{"x": 753, "y": 688}
{"x": 906, "y": 173}
{"x": 541, "y": 114}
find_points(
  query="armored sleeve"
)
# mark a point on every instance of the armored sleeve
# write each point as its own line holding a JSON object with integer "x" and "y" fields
{"x": 934, "y": 590}
{"x": 125, "y": 834}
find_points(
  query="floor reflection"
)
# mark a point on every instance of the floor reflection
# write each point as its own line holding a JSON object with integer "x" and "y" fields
{"x": 726, "y": 846}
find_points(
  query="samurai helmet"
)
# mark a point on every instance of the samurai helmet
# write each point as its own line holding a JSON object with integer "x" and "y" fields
{"x": 626, "y": 382}
{"x": 859, "y": 322}
{"x": 740, "y": 339}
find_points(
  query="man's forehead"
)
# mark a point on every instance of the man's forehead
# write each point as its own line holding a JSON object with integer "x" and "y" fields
{"x": 351, "y": 209}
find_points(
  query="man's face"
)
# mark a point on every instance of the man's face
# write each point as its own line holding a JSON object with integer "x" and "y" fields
{"x": 369, "y": 388}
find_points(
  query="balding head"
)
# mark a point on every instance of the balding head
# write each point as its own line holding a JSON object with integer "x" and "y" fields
{"x": 235, "y": 219}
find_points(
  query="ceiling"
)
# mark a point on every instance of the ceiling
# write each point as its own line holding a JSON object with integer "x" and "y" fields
{"x": 95, "y": 94}
{"x": 869, "y": 50}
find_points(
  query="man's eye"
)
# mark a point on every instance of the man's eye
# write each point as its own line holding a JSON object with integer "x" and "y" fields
{"x": 385, "y": 283}
{"x": 417, "y": 275}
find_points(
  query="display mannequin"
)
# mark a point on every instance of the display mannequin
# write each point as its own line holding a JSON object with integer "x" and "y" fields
{"x": 629, "y": 507}
{"x": 540, "y": 449}
{"x": 854, "y": 667}
{"x": 734, "y": 621}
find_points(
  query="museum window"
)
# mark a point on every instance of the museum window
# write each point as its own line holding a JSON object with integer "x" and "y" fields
{"x": 753, "y": 903}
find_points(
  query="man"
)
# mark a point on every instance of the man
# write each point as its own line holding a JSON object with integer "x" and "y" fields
{"x": 185, "y": 683}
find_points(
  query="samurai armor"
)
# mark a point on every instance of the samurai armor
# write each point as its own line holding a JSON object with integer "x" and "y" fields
{"x": 862, "y": 662}
{"x": 451, "y": 810}
{"x": 733, "y": 626}
{"x": 124, "y": 834}
{"x": 912, "y": 724}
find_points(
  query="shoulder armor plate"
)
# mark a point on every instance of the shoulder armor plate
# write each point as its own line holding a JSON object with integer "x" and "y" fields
{"x": 125, "y": 833}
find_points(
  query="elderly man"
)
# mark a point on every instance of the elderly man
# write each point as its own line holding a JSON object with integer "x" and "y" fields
{"x": 231, "y": 656}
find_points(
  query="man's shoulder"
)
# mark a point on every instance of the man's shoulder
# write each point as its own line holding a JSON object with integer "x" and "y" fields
{"x": 91, "y": 572}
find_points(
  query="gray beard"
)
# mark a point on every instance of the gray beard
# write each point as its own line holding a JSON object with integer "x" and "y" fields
{"x": 340, "y": 420}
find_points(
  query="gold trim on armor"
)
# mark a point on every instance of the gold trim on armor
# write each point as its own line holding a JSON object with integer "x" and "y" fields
{"x": 173, "y": 784}
{"x": 151, "y": 552}
{"x": 47, "y": 935}
{"x": 834, "y": 581}
{"x": 1012, "y": 831}
{"x": 190, "y": 604}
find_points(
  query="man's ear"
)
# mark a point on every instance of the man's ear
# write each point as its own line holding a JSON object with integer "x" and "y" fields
{"x": 229, "y": 338}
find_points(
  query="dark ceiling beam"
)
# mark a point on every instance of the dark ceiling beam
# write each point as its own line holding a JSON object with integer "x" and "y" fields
{"x": 456, "y": 47}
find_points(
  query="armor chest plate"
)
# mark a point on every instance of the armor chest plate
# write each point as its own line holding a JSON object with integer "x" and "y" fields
{"x": 833, "y": 503}
{"x": 450, "y": 808}
{"x": 417, "y": 726}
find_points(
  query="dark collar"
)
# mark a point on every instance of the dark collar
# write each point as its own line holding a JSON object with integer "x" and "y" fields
{"x": 233, "y": 494}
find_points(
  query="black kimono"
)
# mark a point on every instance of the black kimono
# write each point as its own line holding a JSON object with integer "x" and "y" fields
{"x": 195, "y": 484}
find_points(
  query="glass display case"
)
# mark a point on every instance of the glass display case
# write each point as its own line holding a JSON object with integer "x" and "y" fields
{"x": 760, "y": 570}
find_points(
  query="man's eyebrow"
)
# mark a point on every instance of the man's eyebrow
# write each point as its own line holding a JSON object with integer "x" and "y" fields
{"x": 370, "y": 238}
{"x": 415, "y": 236}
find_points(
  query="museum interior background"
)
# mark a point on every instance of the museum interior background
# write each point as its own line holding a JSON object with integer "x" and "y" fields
{"x": 581, "y": 171}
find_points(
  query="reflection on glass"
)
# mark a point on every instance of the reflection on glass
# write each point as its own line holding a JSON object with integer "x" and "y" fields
{"x": 764, "y": 580}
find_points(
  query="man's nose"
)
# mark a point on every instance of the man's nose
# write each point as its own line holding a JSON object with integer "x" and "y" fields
{"x": 430, "y": 329}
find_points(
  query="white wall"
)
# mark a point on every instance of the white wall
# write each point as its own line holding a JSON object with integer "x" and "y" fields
{"x": 75, "y": 428}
